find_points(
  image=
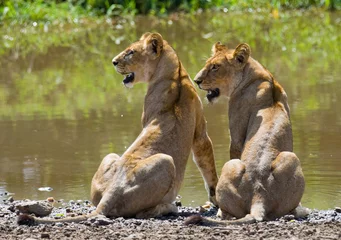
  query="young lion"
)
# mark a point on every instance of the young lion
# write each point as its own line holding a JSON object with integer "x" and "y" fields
{"x": 264, "y": 179}
{"x": 146, "y": 179}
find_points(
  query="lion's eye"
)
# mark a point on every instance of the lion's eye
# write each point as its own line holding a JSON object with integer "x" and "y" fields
{"x": 215, "y": 67}
{"x": 130, "y": 52}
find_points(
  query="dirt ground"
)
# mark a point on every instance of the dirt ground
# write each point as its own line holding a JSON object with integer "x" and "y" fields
{"x": 320, "y": 224}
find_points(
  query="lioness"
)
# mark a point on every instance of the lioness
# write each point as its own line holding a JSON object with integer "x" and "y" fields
{"x": 146, "y": 179}
{"x": 264, "y": 179}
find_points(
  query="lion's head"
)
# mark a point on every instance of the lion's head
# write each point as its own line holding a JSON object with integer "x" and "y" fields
{"x": 138, "y": 61}
{"x": 223, "y": 71}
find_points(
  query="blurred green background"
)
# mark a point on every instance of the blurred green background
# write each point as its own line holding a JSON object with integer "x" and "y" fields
{"x": 49, "y": 10}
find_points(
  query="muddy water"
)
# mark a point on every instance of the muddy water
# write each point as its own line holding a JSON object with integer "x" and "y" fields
{"x": 63, "y": 107}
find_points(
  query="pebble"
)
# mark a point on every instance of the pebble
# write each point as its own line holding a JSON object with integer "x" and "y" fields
{"x": 45, "y": 235}
{"x": 59, "y": 224}
{"x": 45, "y": 189}
{"x": 170, "y": 227}
{"x": 289, "y": 217}
{"x": 39, "y": 208}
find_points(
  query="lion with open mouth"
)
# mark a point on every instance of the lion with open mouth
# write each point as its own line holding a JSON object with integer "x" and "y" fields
{"x": 264, "y": 179}
{"x": 146, "y": 179}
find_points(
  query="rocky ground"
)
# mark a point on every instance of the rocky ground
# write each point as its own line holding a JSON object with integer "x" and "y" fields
{"x": 325, "y": 224}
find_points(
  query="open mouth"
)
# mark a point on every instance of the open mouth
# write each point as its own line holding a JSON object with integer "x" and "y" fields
{"x": 129, "y": 79}
{"x": 211, "y": 94}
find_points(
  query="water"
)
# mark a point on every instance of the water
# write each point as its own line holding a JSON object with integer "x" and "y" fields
{"x": 63, "y": 107}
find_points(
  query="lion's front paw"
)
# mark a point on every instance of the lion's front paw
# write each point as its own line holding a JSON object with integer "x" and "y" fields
{"x": 213, "y": 200}
{"x": 223, "y": 216}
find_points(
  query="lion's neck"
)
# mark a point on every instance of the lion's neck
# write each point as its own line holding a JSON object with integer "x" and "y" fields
{"x": 257, "y": 93}
{"x": 252, "y": 74}
{"x": 164, "y": 87}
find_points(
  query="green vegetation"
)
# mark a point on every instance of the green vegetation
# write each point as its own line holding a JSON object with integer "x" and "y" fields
{"x": 23, "y": 11}
{"x": 69, "y": 70}
{"x": 71, "y": 10}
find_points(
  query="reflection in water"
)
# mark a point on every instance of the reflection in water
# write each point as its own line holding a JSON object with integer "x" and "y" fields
{"x": 62, "y": 109}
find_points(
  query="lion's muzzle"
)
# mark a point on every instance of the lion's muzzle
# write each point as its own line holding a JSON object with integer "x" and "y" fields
{"x": 211, "y": 94}
{"x": 129, "y": 78}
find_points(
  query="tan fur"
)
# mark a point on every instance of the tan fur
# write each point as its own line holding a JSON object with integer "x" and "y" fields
{"x": 146, "y": 179}
{"x": 264, "y": 179}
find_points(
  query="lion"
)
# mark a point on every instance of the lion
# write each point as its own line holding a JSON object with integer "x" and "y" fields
{"x": 145, "y": 180}
{"x": 264, "y": 179}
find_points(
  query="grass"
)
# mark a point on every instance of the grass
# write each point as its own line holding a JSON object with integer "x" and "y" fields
{"x": 21, "y": 11}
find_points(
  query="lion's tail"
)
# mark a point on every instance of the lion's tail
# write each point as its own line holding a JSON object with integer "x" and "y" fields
{"x": 257, "y": 214}
{"x": 25, "y": 219}
{"x": 197, "y": 219}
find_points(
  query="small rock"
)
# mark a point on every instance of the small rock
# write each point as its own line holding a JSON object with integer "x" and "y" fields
{"x": 45, "y": 235}
{"x": 59, "y": 224}
{"x": 225, "y": 232}
{"x": 11, "y": 208}
{"x": 103, "y": 221}
{"x": 67, "y": 234}
{"x": 289, "y": 217}
{"x": 338, "y": 209}
{"x": 39, "y": 208}
{"x": 202, "y": 209}
{"x": 100, "y": 220}
{"x": 45, "y": 189}
{"x": 10, "y": 199}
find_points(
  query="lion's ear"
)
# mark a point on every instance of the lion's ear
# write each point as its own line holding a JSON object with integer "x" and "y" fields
{"x": 242, "y": 54}
{"x": 144, "y": 36}
{"x": 154, "y": 44}
{"x": 218, "y": 47}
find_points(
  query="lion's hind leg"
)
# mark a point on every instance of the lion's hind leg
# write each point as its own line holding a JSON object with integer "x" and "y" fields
{"x": 145, "y": 187}
{"x": 159, "y": 210}
{"x": 102, "y": 177}
{"x": 286, "y": 184}
{"x": 230, "y": 190}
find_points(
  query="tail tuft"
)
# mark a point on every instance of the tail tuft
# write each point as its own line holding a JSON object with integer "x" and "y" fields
{"x": 25, "y": 219}
{"x": 194, "y": 219}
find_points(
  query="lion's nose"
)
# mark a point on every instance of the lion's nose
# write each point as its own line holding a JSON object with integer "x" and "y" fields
{"x": 114, "y": 62}
{"x": 198, "y": 81}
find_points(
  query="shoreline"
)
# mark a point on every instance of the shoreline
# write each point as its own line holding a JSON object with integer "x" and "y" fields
{"x": 320, "y": 224}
